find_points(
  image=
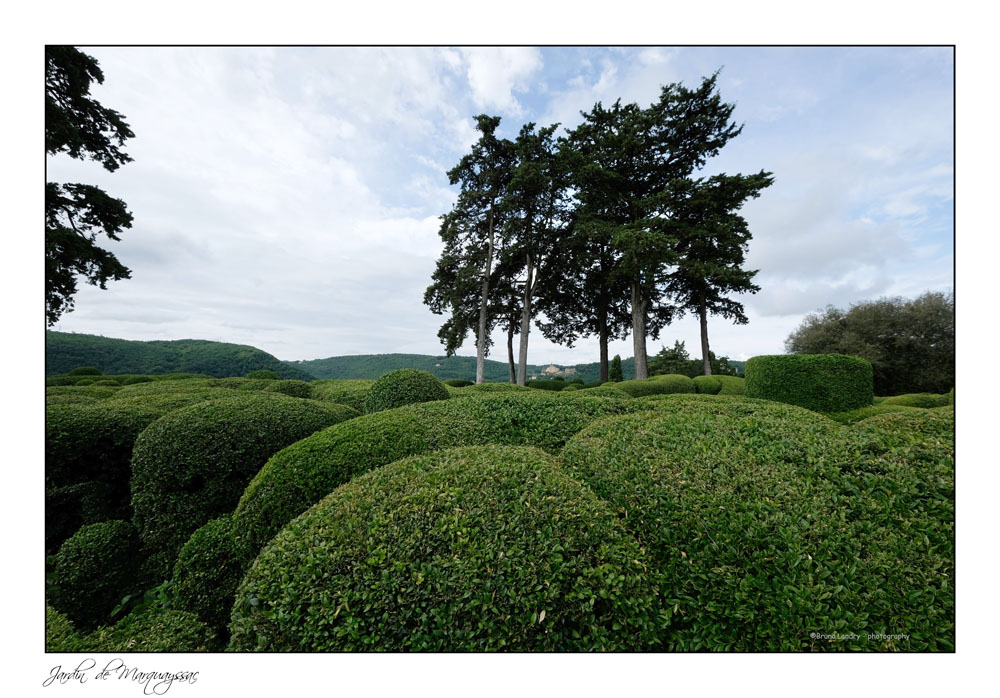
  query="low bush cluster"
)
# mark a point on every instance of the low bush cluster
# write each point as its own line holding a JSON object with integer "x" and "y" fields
{"x": 923, "y": 400}
{"x": 160, "y": 630}
{"x": 707, "y": 385}
{"x": 405, "y": 386}
{"x": 657, "y": 385}
{"x": 192, "y": 465}
{"x": 819, "y": 382}
{"x": 343, "y": 392}
{"x": 474, "y": 549}
{"x": 457, "y": 382}
{"x": 206, "y": 573}
{"x": 264, "y": 374}
{"x": 543, "y": 384}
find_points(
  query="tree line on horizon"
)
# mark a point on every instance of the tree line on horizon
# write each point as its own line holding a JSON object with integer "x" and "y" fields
{"x": 605, "y": 231}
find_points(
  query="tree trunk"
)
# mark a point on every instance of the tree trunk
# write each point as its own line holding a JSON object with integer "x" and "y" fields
{"x": 705, "y": 355}
{"x": 510, "y": 352}
{"x": 522, "y": 352}
{"x": 603, "y": 338}
{"x": 481, "y": 335}
{"x": 639, "y": 332}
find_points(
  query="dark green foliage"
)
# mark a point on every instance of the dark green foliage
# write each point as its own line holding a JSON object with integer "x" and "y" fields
{"x": 474, "y": 549}
{"x": 765, "y": 522}
{"x": 495, "y": 388}
{"x": 302, "y": 474}
{"x": 677, "y": 360}
{"x": 132, "y": 380}
{"x": 615, "y": 370}
{"x": 84, "y": 371}
{"x": 64, "y": 350}
{"x": 69, "y": 507}
{"x": 343, "y": 392}
{"x": 709, "y": 385}
{"x": 93, "y": 570}
{"x": 819, "y": 382}
{"x": 571, "y": 387}
{"x": 191, "y": 465}
{"x": 658, "y": 385}
{"x": 106, "y": 381}
{"x": 263, "y": 373}
{"x": 951, "y": 396}
{"x": 404, "y": 386}
{"x": 852, "y": 416}
{"x": 457, "y": 382}
{"x": 82, "y": 395}
{"x": 159, "y": 630}
{"x": 85, "y": 381}
{"x": 207, "y": 572}
{"x": 918, "y": 400}
{"x": 910, "y": 343}
{"x": 543, "y": 384}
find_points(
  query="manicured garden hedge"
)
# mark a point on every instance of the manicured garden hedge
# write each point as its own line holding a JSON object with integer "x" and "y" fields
{"x": 191, "y": 465}
{"x": 343, "y": 392}
{"x": 457, "y": 382}
{"x": 819, "y": 382}
{"x": 263, "y": 373}
{"x": 852, "y": 416}
{"x": 302, "y": 474}
{"x": 555, "y": 385}
{"x": 93, "y": 570}
{"x": 404, "y": 386}
{"x": 766, "y": 521}
{"x": 924, "y": 400}
{"x": 707, "y": 385}
{"x": 657, "y": 385}
{"x": 82, "y": 395}
{"x": 731, "y": 385}
{"x": 473, "y": 549}
{"x": 154, "y": 630}
{"x": 69, "y": 507}
{"x": 207, "y": 573}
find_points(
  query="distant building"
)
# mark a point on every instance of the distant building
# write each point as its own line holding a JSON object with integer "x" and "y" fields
{"x": 551, "y": 370}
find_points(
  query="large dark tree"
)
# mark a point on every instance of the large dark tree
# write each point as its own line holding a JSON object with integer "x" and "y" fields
{"x": 469, "y": 232}
{"x": 910, "y": 343}
{"x": 75, "y": 214}
{"x": 711, "y": 244}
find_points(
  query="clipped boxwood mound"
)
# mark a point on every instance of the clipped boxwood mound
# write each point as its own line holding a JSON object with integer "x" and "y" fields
{"x": 71, "y": 394}
{"x": 496, "y": 388}
{"x": 154, "y": 630}
{"x": 852, "y": 416}
{"x": 305, "y": 472}
{"x": 343, "y": 392}
{"x": 607, "y": 390}
{"x": 546, "y": 384}
{"x": 707, "y": 385}
{"x": 657, "y": 385}
{"x": 72, "y": 506}
{"x": 207, "y": 573}
{"x": 731, "y": 385}
{"x": 263, "y": 373}
{"x": 819, "y": 382}
{"x": 93, "y": 570}
{"x": 765, "y": 522}
{"x": 938, "y": 425}
{"x": 404, "y": 386}
{"x": 191, "y": 465}
{"x": 457, "y": 382}
{"x": 473, "y": 549}
{"x": 924, "y": 400}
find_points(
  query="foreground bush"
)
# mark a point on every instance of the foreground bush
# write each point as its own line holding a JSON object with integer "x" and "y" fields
{"x": 731, "y": 385}
{"x": 404, "y": 386}
{"x": 924, "y": 400}
{"x": 93, "y": 570}
{"x": 207, "y": 573}
{"x": 191, "y": 465}
{"x": 474, "y": 549}
{"x": 302, "y": 474}
{"x": 343, "y": 392}
{"x": 707, "y": 385}
{"x": 852, "y": 416}
{"x": 150, "y": 631}
{"x": 496, "y": 388}
{"x": 818, "y": 382}
{"x": 69, "y": 507}
{"x": 657, "y": 385}
{"x": 82, "y": 395}
{"x": 766, "y": 522}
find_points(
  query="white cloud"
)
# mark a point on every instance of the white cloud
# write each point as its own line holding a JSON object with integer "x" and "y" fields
{"x": 495, "y": 73}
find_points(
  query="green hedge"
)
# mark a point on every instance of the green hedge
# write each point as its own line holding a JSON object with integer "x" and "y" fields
{"x": 69, "y": 507}
{"x": 207, "y": 573}
{"x": 546, "y": 384}
{"x": 191, "y": 465}
{"x": 82, "y": 395}
{"x": 84, "y": 381}
{"x": 404, "y": 386}
{"x": 707, "y": 385}
{"x": 263, "y": 373}
{"x": 924, "y": 400}
{"x": 765, "y": 522}
{"x": 657, "y": 385}
{"x": 94, "y": 570}
{"x": 474, "y": 549}
{"x": 457, "y": 382}
{"x": 731, "y": 385}
{"x": 85, "y": 371}
{"x": 302, "y": 474}
{"x": 343, "y": 392}
{"x": 155, "y": 630}
{"x": 819, "y": 382}
{"x": 852, "y": 416}
{"x": 496, "y": 388}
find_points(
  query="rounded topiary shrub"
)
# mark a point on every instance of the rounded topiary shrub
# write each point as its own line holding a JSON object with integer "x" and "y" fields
{"x": 707, "y": 385}
{"x": 85, "y": 381}
{"x": 404, "y": 386}
{"x": 819, "y": 382}
{"x": 343, "y": 392}
{"x": 71, "y": 394}
{"x": 474, "y": 549}
{"x": 924, "y": 400}
{"x": 546, "y": 384}
{"x": 657, "y": 385}
{"x": 207, "y": 573}
{"x": 106, "y": 381}
{"x": 497, "y": 388}
{"x": 571, "y": 387}
{"x": 457, "y": 382}
{"x": 132, "y": 380}
{"x": 60, "y": 635}
{"x": 72, "y": 506}
{"x": 85, "y": 371}
{"x": 154, "y": 630}
{"x": 264, "y": 374}
{"x": 94, "y": 570}
{"x": 731, "y": 385}
{"x": 191, "y": 465}
{"x": 299, "y": 476}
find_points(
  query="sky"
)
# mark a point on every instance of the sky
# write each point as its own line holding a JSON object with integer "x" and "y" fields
{"x": 289, "y": 198}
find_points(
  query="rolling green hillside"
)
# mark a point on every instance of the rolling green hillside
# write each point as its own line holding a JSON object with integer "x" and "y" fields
{"x": 65, "y": 351}
{"x": 372, "y": 366}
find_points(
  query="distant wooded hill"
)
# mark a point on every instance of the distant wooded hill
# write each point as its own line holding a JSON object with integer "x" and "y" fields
{"x": 65, "y": 351}
{"x": 374, "y": 365}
